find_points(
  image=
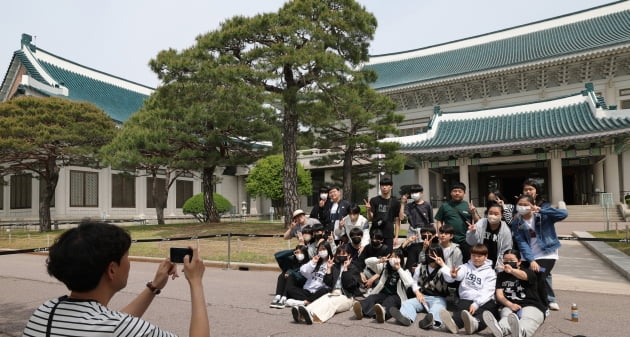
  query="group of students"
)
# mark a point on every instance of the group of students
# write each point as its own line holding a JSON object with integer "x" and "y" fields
{"x": 495, "y": 268}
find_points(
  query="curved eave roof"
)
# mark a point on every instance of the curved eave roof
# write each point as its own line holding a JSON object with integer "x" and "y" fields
{"x": 571, "y": 119}
{"x": 603, "y": 32}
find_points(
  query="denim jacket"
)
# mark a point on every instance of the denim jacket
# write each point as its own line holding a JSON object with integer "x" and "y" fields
{"x": 544, "y": 226}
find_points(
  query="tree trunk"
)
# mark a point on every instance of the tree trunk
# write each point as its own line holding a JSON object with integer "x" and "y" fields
{"x": 159, "y": 197}
{"x": 48, "y": 193}
{"x": 289, "y": 150}
{"x": 208, "y": 197}
{"x": 347, "y": 174}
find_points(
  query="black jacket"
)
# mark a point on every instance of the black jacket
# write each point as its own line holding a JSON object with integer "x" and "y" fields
{"x": 350, "y": 280}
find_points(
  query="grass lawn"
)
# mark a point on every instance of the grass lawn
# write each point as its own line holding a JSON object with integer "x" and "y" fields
{"x": 622, "y": 246}
{"x": 241, "y": 249}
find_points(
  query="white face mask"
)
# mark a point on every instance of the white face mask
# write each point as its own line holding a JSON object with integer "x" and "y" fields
{"x": 299, "y": 257}
{"x": 306, "y": 238}
{"x": 494, "y": 219}
{"x": 523, "y": 209}
{"x": 393, "y": 261}
{"x": 415, "y": 196}
{"x": 323, "y": 196}
{"x": 323, "y": 254}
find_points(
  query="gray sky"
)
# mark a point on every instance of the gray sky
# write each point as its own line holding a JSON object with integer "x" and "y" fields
{"x": 119, "y": 37}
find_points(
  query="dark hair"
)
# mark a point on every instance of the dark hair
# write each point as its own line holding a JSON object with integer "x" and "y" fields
{"x": 448, "y": 229}
{"x": 479, "y": 249}
{"x": 304, "y": 250}
{"x": 342, "y": 248}
{"x": 318, "y": 227}
{"x": 416, "y": 188}
{"x": 323, "y": 189}
{"x": 386, "y": 181}
{"x": 437, "y": 249}
{"x": 326, "y": 245}
{"x": 497, "y": 194}
{"x": 538, "y": 200}
{"x": 334, "y": 188}
{"x": 513, "y": 251}
{"x": 459, "y": 185}
{"x": 494, "y": 204}
{"x": 354, "y": 209}
{"x": 377, "y": 234}
{"x": 526, "y": 196}
{"x": 355, "y": 231}
{"x": 307, "y": 230}
{"x": 399, "y": 254}
{"x": 81, "y": 255}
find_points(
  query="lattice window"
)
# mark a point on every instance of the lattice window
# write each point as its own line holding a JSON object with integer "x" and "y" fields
{"x": 184, "y": 192}
{"x": 21, "y": 191}
{"x": 83, "y": 189}
{"x": 123, "y": 190}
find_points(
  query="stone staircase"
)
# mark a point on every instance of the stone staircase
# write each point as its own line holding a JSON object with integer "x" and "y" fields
{"x": 592, "y": 213}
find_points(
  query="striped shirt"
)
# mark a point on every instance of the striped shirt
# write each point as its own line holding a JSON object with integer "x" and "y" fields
{"x": 87, "y": 318}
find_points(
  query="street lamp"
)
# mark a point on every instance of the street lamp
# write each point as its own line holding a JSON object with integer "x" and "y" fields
{"x": 379, "y": 157}
{"x": 244, "y": 208}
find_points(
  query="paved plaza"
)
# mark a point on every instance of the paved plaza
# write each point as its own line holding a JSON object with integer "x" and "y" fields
{"x": 238, "y": 301}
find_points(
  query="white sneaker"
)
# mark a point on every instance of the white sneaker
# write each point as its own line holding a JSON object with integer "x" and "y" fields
{"x": 515, "y": 326}
{"x": 470, "y": 323}
{"x": 379, "y": 311}
{"x": 358, "y": 310}
{"x": 293, "y": 303}
{"x": 447, "y": 321}
{"x": 554, "y": 306}
{"x": 492, "y": 324}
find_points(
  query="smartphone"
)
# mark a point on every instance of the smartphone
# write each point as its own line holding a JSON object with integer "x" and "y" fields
{"x": 177, "y": 254}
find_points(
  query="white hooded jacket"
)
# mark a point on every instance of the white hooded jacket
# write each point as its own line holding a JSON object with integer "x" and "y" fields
{"x": 477, "y": 284}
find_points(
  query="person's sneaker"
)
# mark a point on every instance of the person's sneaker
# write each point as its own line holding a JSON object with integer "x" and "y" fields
{"x": 398, "y": 316}
{"x": 296, "y": 314}
{"x": 427, "y": 322}
{"x": 554, "y": 306}
{"x": 308, "y": 318}
{"x": 358, "y": 311}
{"x": 492, "y": 324}
{"x": 277, "y": 304}
{"x": 293, "y": 303}
{"x": 379, "y": 311}
{"x": 447, "y": 321}
{"x": 515, "y": 326}
{"x": 470, "y": 323}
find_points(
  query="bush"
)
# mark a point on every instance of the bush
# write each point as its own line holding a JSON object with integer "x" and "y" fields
{"x": 194, "y": 206}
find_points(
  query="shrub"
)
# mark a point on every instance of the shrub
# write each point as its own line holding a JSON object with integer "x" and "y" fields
{"x": 194, "y": 206}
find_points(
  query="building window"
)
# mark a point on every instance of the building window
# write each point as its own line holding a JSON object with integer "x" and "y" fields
{"x": 123, "y": 190}
{"x": 83, "y": 189}
{"x": 624, "y": 92}
{"x": 160, "y": 188}
{"x": 625, "y": 104}
{"x": 21, "y": 191}
{"x": 184, "y": 190}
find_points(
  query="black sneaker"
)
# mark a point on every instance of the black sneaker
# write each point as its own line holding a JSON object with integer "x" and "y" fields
{"x": 296, "y": 314}
{"x": 398, "y": 316}
{"x": 427, "y": 322}
{"x": 308, "y": 318}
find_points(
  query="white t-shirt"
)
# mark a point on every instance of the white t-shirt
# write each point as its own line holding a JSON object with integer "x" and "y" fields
{"x": 533, "y": 242}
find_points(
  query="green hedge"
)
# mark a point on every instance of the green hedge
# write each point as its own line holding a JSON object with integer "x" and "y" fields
{"x": 194, "y": 206}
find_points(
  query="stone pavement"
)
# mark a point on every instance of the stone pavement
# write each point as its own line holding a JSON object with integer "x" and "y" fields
{"x": 238, "y": 300}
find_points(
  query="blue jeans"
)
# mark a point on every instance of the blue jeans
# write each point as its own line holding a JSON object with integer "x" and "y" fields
{"x": 412, "y": 306}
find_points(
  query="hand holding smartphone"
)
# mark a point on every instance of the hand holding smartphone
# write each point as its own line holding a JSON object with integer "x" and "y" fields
{"x": 177, "y": 254}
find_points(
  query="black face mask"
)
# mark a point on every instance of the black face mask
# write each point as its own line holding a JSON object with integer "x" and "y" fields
{"x": 511, "y": 264}
{"x": 376, "y": 244}
{"x": 317, "y": 237}
{"x": 341, "y": 259}
{"x": 355, "y": 239}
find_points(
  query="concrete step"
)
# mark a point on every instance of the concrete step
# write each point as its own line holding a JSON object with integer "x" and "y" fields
{"x": 592, "y": 213}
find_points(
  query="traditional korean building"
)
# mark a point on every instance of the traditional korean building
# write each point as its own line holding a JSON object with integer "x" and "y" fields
{"x": 547, "y": 100}
{"x": 84, "y": 191}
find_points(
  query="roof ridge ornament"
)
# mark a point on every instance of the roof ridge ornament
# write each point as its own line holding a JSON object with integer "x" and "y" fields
{"x": 26, "y": 41}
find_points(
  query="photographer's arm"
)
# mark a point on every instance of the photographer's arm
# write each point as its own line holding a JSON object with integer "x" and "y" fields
{"x": 139, "y": 305}
{"x": 193, "y": 270}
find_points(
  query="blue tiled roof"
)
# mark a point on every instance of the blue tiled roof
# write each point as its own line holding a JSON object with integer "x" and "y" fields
{"x": 566, "y": 123}
{"x": 582, "y": 36}
{"x": 119, "y": 103}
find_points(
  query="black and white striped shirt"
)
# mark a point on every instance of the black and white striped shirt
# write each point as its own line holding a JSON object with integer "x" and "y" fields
{"x": 87, "y": 318}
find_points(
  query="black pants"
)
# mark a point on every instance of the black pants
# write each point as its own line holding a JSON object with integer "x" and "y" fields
{"x": 296, "y": 292}
{"x": 465, "y": 248}
{"x": 387, "y": 301}
{"x": 465, "y": 305}
{"x": 413, "y": 254}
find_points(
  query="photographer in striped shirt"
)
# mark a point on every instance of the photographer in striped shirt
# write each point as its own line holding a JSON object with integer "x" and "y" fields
{"x": 92, "y": 260}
